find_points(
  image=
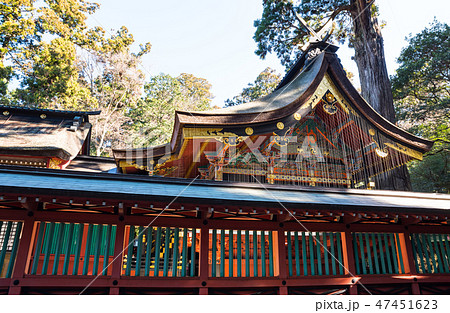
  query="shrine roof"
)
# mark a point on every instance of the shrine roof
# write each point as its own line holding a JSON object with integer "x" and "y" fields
{"x": 35, "y": 181}
{"x": 86, "y": 163}
{"x": 280, "y": 97}
{"x": 292, "y": 96}
{"x": 43, "y": 133}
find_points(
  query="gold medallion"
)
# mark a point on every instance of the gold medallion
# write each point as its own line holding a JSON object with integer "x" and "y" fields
{"x": 280, "y": 125}
{"x": 249, "y": 131}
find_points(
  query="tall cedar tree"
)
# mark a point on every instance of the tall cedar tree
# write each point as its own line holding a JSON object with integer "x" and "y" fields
{"x": 279, "y": 30}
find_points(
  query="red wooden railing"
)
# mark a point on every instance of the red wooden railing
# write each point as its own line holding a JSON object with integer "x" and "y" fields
{"x": 204, "y": 255}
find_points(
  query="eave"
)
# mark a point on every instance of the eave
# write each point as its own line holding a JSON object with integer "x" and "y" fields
{"x": 131, "y": 188}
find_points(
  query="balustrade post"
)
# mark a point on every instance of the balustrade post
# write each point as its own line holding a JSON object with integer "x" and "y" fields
{"x": 117, "y": 260}
{"x": 23, "y": 255}
{"x": 280, "y": 264}
{"x": 204, "y": 252}
{"x": 349, "y": 258}
{"x": 410, "y": 262}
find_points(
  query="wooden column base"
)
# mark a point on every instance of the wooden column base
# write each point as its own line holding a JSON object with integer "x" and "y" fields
{"x": 14, "y": 290}
{"x": 415, "y": 289}
{"x": 283, "y": 290}
{"x": 114, "y": 291}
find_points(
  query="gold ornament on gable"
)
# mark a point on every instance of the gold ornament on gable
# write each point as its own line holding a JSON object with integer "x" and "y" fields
{"x": 280, "y": 125}
{"x": 206, "y": 133}
{"x": 297, "y": 116}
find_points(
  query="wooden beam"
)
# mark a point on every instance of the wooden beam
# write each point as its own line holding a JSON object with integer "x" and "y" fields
{"x": 410, "y": 220}
{"x": 285, "y": 217}
{"x": 431, "y": 229}
{"x": 30, "y": 204}
{"x": 190, "y": 283}
{"x": 351, "y": 218}
{"x": 13, "y": 215}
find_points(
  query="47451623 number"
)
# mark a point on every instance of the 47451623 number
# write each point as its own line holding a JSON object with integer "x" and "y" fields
{"x": 407, "y": 304}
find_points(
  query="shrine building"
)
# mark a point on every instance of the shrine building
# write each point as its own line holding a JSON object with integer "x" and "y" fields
{"x": 288, "y": 194}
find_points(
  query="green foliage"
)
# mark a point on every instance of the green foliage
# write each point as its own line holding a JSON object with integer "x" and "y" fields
{"x": 51, "y": 73}
{"x": 16, "y": 29}
{"x": 5, "y": 78}
{"x": 47, "y": 71}
{"x": 65, "y": 18}
{"x": 24, "y": 24}
{"x": 421, "y": 85}
{"x": 54, "y": 80}
{"x": 61, "y": 63}
{"x": 279, "y": 30}
{"x": 117, "y": 43}
{"x": 153, "y": 117}
{"x": 264, "y": 84}
{"x": 432, "y": 174}
{"x": 196, "y": 92}
{"x": 421, "y": 89}
{"x": 17, "y": 26}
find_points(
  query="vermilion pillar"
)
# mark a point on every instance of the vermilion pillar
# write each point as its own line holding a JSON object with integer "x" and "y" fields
{"x": 349, "y": 260}
{"x": 405, "y": 237}
{"x": 117, "y": 261}
{"x": 280, "y": 250}
{"x": 23, "y": 253}
{"x": 204, "y": 252}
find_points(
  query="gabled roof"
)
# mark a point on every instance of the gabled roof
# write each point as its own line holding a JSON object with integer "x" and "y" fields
{"x": 281, "y": 97}
{"x": 42, "y": 132}
{"x": 290, "y": 97}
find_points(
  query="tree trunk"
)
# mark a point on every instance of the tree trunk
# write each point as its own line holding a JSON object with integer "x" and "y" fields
{"x": 375, "y": 84}
{"x": 370, "y": 59}
{"x": 396, "y": 179}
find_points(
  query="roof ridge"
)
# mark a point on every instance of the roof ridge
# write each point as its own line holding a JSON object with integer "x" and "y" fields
{"x": 306, "y": 56}
{"x": 40, "y": 110}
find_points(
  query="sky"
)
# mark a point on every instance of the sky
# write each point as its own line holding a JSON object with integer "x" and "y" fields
{"x": 213, "y": 39}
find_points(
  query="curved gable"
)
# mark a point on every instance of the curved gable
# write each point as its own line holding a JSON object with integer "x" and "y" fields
{"x": 317, "y": 105}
